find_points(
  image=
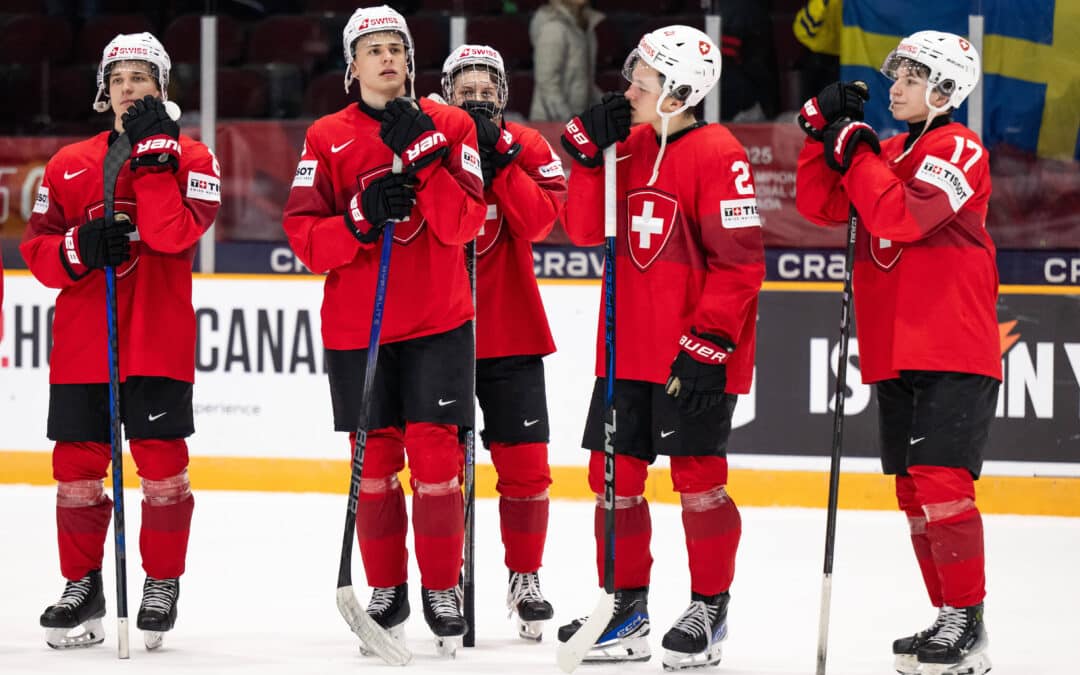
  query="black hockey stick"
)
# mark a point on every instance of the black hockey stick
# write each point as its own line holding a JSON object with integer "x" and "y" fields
{"x": 837, "y": 445}
{"x": 115, "y": 158}
{"x": 468, "y": 583}
{"x": 570, "y": 653}
{"x": 374, "y": 636}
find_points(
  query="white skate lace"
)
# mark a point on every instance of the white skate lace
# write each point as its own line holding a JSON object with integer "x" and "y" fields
{"x": 381, "y": 600}
{"x": 159, "y": 594}
{"x": 696, "y": 621}
{"x": 953, "y": 624}
{"x": 524, "y": 586}
{"x": 444, "y": 603}
{"x": 75, "y": 593}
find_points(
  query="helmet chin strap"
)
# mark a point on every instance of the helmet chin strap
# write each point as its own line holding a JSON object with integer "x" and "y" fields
{"x": 935, "y": 111}
{"x": 664, "y": 119}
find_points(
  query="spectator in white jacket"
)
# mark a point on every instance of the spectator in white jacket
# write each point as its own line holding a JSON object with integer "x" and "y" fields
{"x": 563, "y": 34}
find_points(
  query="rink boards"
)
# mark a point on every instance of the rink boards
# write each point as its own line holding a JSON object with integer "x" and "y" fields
{"x": 263, "y": 415}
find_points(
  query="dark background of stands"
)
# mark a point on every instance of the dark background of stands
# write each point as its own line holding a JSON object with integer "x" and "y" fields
{"x": 284, "y": 60}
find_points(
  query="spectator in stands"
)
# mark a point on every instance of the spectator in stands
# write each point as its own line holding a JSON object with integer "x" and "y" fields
{"x": 748, "y": 88}
{"x": 563, "y": 33}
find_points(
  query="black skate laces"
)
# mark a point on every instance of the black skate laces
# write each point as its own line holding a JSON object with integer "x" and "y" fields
{"x": 75, "y": 592}
{"x": 953, "y": 624}
{"x": 381, "y": 599}
{"x": 444, "y": 603}
{"x": 524, "y": 586}
{"x": 159, "y": 594}
{"x": 697, "y": 620}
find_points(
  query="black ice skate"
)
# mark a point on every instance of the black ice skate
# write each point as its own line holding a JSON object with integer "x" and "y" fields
{"x": 625, "y": 638}
{"x": 157, "y": 613}
{"x": 82, "y": 604}
{"x": 906, "y": 649}
{"x": 442, "y": 611}
{"x": 389, "y": 607}
{"x": 959, "y": 646}
{"x": 694, "y": 640}
{"x": 523, "y": 597}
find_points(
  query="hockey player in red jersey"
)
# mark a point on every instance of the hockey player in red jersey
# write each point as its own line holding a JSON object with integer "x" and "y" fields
{"x": 165, "y": 200}
{"x": 689, "y": 266}
{"x": 524, "y": 189}
{"x": 925, "y": 288}
{"x": 342, "y": 196}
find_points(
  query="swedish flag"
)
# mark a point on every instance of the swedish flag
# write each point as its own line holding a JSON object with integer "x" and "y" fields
{"x": 1031, "y": 64}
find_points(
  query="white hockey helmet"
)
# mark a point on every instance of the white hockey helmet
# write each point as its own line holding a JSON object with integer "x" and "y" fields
{"x": 953, "y": 64}
{"x": 480, "y": 57}
{"x": 687, "y": 58}
{"x": 367, "y": 20}
{"x": 132, "y": 47}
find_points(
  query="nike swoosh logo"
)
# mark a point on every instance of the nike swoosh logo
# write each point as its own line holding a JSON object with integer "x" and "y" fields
{"x": 529, "y": 423}
{"x": 446, "y": 403}
{"x": 69, "y": 176}
{"x": 665, "y": 434}
{"x": 157, "y": 416}
{"x": 917, "y": 440}
{"x": 338, "y": 148}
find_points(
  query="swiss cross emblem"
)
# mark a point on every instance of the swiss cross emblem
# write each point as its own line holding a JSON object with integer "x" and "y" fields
{"x": 651, "y": 219}
{"x": 703, "y": 47}
{"x": 885, "y": 252}
{"x": 489, "y": 233}
{"x": 964, "y": 44}
{"x": 404, "y": 230}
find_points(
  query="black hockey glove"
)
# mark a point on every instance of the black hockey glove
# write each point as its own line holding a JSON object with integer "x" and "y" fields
{"x": 411, "y": 134}
{"x": 587, "y": 135}
{"x": 842, "y": 138}
{"x": 497, "y": 146}
{"x": 154, "y": 135}
{"x": 93, "y": 245}
{"x": 698, "y": 373}
{"x": 839, "y": 99}
{"x": 389, "y": 197}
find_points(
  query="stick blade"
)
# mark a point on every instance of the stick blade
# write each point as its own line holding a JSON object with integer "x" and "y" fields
{"x": 571, "y": 653}
{"x": 375, "y": 638}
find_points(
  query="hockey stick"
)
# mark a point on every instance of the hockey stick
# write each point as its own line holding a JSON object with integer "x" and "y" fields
{"x": 573, "y": 651}
{"x": 468, "y": 584}
{"x": 118, "y": 154}
{"x": 837, "y": 445}
{"x": 374, "y": 636}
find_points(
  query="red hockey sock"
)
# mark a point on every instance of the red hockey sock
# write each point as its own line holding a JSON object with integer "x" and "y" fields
{"x": 908, "y": 502}
{"x": 381, "y": 522}
{"x": 524, "y": 476}
{"x": 167, "y": 505}
{"x": 711, "y": 521}
{"x": 633, "y": 524}
{"x": 83, "y": 510}
{"x": 438, "y": 505}
{"x": 954, "y": 530}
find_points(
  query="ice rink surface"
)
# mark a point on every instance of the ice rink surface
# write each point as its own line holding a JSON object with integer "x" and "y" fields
{"x": 258, "y": 595}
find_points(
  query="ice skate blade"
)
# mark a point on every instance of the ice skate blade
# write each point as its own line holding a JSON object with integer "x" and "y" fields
{"x": 153, "y": 639}
{"x": 92, "y": 634}
{"x": 906, "y": 664}
{"x": 620, "y": 651}
{"x": 683, "y": 661}
{"x": 974, "y": 664}
{"x": 531, "y": 630}
{"x": 396, "y": 633}
{"x": 446, "y": 646}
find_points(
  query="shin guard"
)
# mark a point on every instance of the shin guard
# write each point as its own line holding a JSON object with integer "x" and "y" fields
{"x": 920, "y": 542}
{"x": 711, "y": 522}
{"x": 381, "y": 521}
{"x": 633, "y": 523}
{"x": 438, "y": 505}
{"x": 167, "y": 505}
{"x": 523, "y": 479}
{"x": 83, "y": 510}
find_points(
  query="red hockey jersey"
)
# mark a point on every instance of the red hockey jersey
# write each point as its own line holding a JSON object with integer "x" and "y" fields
{"x": 522, "y": 205}
{"x": 156, "y": 321}
{"x": 428, "y": 289}
{"x": 925, "y": 280}
{"x": 689, "y": 251}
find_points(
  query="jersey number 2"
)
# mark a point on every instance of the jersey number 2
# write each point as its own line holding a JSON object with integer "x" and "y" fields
{"x": 742, "y": 179}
